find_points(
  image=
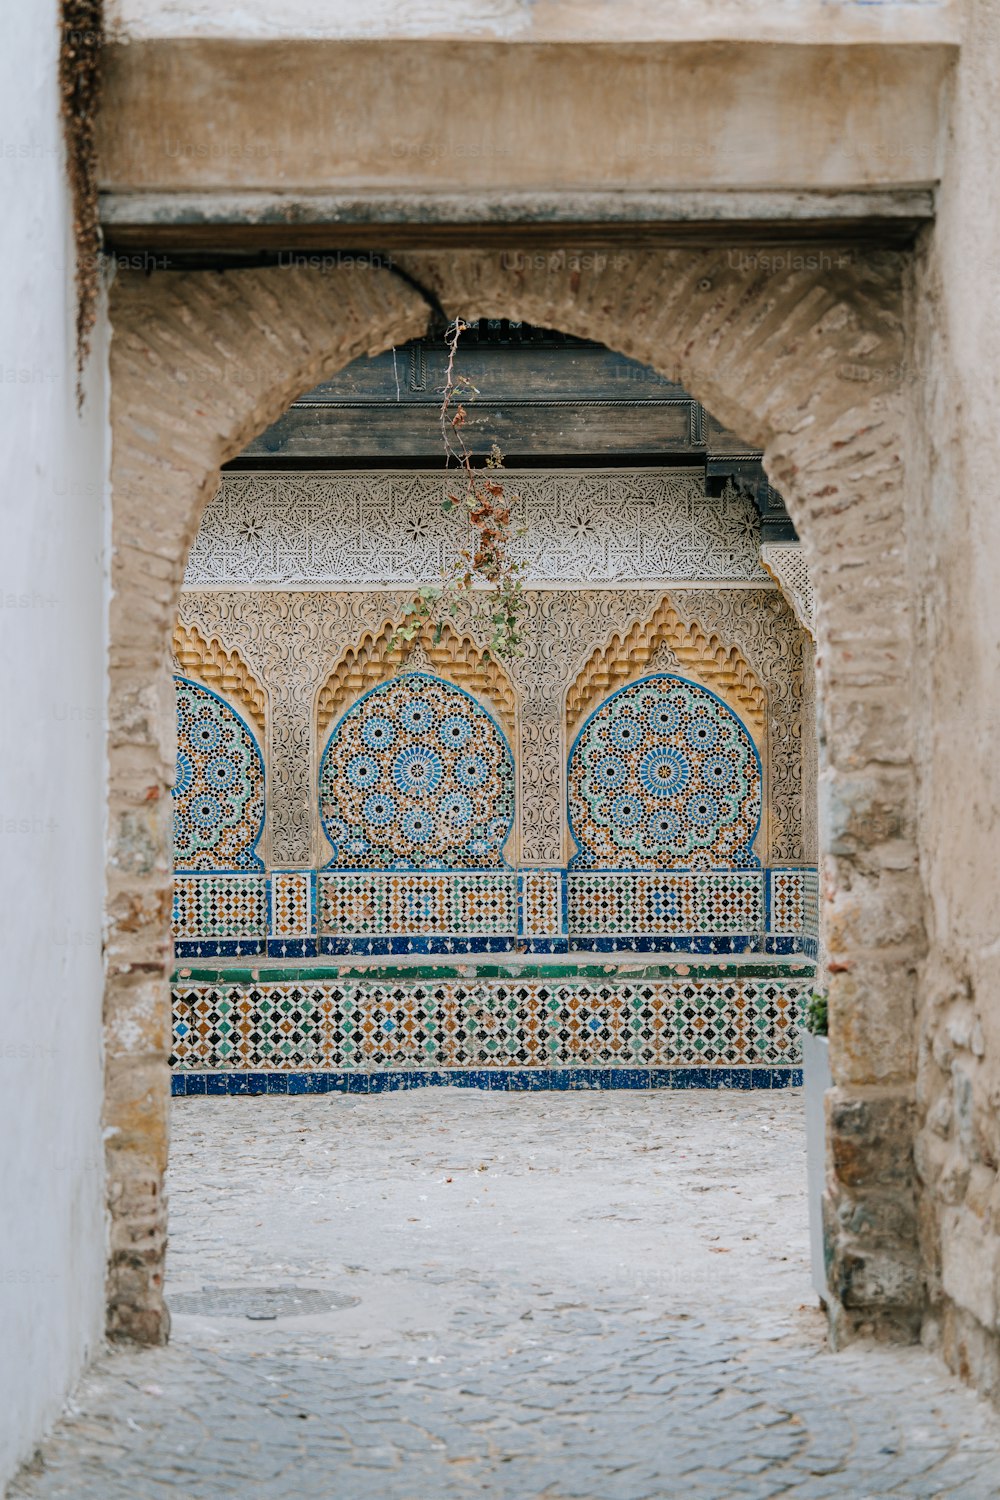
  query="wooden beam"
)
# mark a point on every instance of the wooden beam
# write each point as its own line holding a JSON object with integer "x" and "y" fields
{"x": 322, "y": 228}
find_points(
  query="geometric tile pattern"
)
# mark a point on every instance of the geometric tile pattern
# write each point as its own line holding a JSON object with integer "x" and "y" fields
{"x": 703, "y": 902}
{"x": 793, "y": 903}
{"x": 541, "y": 903}
{"x": 788, "y": 900}
{"x": 292, "y": 904}
{"x": 219, "y": 906}
{"x": 417, "y": 775}
{"x": 495, "y": 1023}
{"x": 486, "y": 908}
{"x": 219, "y": 786}
{"x": 810, "y": 901}
{"x": 469, "y": 903}
{"x": 664, "y": 776}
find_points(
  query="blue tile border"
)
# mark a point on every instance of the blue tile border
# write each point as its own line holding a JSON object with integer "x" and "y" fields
{"x": 218, "y": 947}
{"x": 401, "y": 946}
{"x": 682, "y": 943}
{"x": 291, "y": 947}
{"x": 385, "y": 945}
{"x": 504, "y": 1080}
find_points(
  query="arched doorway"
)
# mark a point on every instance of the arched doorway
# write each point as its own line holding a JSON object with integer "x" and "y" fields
{"x": 784, "y": 355}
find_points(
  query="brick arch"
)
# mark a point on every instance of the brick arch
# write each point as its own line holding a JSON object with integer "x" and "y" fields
{"x": 801, "y": 354}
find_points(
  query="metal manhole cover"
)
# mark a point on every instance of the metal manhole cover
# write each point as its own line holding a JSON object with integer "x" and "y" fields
{"x": 260, "y": 1303}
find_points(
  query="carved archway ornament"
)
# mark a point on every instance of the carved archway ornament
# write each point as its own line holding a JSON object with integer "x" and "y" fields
{"x": 693, "y": 652}
{"x": 450, "y": 654}
{"x": 224, "y": 671}
{"x": 799, "y": 354}
{"x": 786, "y": 563}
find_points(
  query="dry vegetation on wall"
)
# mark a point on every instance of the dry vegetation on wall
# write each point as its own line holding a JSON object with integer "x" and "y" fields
{"x": 81, "y": 37}
{"x": 489, "y": 559}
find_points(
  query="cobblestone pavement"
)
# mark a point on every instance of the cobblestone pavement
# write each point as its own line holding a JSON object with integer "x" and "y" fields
{"x": 447, "y": 1294}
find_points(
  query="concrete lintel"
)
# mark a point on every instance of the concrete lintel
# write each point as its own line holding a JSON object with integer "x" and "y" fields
{"x": 278, "y": 221}
{"x": 466, "y": 119}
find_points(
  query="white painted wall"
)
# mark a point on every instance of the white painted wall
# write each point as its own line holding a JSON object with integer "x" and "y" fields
{"x": 546, "y": 20}
{"x": 52, "y": 612}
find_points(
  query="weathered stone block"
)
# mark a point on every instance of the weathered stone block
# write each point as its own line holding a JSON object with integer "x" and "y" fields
{"x": 872, "y": 1009}
{"x": 862, "y": 811}
{"x": 870, "y": 1140}
{"x": 871, "y": 909}
{"x": 970, "y": 1265}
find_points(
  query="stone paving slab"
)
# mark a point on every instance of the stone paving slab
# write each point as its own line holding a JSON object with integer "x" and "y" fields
{"x": 583, "y": 1298}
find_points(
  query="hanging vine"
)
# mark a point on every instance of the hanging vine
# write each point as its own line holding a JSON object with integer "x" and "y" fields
{"x": 486, "y": 572}
{"x": 81, "y": 38}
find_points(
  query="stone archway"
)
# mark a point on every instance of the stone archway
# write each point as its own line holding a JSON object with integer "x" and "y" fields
{"x": 801, "y": 354}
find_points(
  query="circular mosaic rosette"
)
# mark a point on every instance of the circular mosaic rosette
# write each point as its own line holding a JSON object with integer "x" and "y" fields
{"x": 219, "y": 786}
{"x": 664, "y": 776}
{"x": 417, "y": 776}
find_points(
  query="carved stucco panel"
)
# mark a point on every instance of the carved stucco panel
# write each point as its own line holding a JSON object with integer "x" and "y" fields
{"x": 291, "y": 641}
{"x": 762, "y": 624}
{"x": 388, "y": 527}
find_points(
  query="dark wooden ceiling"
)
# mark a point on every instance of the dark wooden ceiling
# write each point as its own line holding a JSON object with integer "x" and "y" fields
{"x": 546, "y": 398}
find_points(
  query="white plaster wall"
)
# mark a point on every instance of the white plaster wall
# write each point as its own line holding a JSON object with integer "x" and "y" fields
{"x": 52, "y": 759}
{"x": 546, "y": 20}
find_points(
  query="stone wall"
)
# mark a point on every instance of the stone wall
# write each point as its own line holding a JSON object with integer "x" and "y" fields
{"x": 954, "y": 363}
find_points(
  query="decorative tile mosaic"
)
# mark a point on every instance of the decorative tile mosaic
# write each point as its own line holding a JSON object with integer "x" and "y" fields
{"x": 413, "y": 904}
{"x": 292, "y": 905}
{"x": 494, "y": 910}
{"x": 793, "y": 906}
{"x": 417, "y": 775}
{"x": 392, "y": 1023}
{"x": 611, "y": 903}
{"x": 664, "y": 776}
{"x": 542, "y": 903}
{"x": 219, "y": 788}
{"x": 810, "y": 901}
{"x": 291, "y": 639}
{"x": 219, "y": 906}
{"x": 787, "y": 900}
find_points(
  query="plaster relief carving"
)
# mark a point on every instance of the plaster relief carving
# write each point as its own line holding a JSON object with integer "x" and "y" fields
{"x": 386, "y": 528}
{"x": 311, "y": 648}
{"x": 224, "y": 671}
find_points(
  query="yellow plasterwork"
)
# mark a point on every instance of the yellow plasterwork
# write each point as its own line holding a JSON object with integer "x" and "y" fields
{"x": 225, "y": 672}
{"x": 721, "y": 668}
